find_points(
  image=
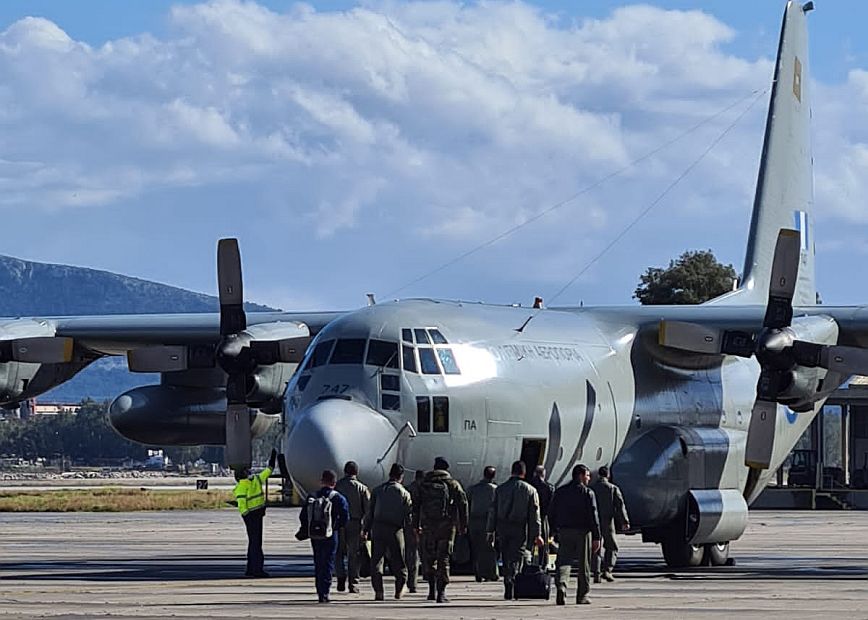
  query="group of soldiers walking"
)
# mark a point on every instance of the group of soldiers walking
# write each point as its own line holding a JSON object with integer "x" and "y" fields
{"x": 415, "y": 527}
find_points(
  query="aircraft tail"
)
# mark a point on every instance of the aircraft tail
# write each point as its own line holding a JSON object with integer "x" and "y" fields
{"x": 785, "y": 187}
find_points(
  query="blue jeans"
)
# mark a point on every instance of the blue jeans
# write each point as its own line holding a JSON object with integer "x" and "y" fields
{"x": 324, "y": 563}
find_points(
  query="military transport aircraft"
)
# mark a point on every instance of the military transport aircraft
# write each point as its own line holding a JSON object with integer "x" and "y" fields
{"x": 693, "y": 406}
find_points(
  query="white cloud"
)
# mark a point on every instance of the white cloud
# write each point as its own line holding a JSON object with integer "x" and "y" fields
{"x": 407, "y": 122}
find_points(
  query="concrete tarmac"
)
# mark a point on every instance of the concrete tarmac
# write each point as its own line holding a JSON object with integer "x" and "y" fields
{"x": 187, "y": 564}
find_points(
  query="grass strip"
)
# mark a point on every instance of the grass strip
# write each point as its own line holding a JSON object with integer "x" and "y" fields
{"x": 111, "y": 499}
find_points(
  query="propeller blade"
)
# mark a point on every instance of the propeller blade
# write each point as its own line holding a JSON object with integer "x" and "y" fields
{"x": 230, "y": 287}
{"x": 267, "y": 352}
{"x": 37, "y": 350}
{"x": 785, "y": 274}
{"x": 170, "y": 358}
{"x": 761, "y": 434}
{"x": 157, "y": 359}
{"x": 689, "y": 337}
{"x": 239, "y": 453}
{"x": 844, "y": 360}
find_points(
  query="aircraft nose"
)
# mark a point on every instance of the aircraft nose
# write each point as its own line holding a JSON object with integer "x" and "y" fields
{"x": 331, "y": 432}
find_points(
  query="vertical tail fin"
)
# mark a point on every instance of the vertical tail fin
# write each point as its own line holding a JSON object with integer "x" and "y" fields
{"x": 785, "y": 187}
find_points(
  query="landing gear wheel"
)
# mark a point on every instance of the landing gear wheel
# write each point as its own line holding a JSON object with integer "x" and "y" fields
{"x": 716, "y": 554}
{"x": 681, "y": 554}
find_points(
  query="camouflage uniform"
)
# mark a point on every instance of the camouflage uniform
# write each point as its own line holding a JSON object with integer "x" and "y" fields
{"x": 480, "y": 497}
{"x": 613, "y": 516}
{"x": 350, "y": 539}
{"x": 411, "y": 541}
{"x": 388, "y": 514}
{"x": 514, "y": 516}
{"x": 438, "y": 533}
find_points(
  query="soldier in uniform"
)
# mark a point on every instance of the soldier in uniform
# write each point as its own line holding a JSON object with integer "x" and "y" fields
{"x": 545, "y": 490}
{"x": 613, "y": 517}
{"x": 442, "y": 512}
{"x": 514, "y": 518}
{"x": 480, "y": 497}
{"x": 411, "y": 541}
{"x": 573, "y": 517}
{"x": 358, "y": 496}
{"x": 388, "y": 514}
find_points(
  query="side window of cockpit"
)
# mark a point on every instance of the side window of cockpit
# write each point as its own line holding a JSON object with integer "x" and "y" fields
{"x": 409, "y": 358}
{"x": 407, "y": 335}
{"x": 428, "y": 361}
{"x": 321, "y": 353}
{"x": 423, "y": 414}
{"x": 441, "y": 414}
{"x": 349, "y": 351}
{"x": 383, "y": 354}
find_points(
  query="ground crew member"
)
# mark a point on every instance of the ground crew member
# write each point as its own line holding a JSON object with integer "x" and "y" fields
{"x": 514, "y": 518}
{"x": 442, "y": 512}
{"x": 250, "y": 498}
{"x": 325, "y": 547}
{"x": 613, "y": 517}
{"x": 573, "y": 517}
{"x": 480, "y": 498}
{"x": 358, "y": 496}
{"x": 411, "y": 541}
{"x": 388, "y": 514}
{"x": 545, "y": 490}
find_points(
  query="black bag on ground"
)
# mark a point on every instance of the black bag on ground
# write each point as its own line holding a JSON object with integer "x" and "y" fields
{"x": 532, "y": 582}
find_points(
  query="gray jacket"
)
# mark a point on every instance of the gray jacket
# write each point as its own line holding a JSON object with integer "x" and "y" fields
{"x": 516, "y": 505}
{"x": 358, "y": 496}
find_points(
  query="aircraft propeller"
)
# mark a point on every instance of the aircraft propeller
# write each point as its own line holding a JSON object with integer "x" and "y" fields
{"x": 240, "y": 351}
{"x": 776, "y": 349}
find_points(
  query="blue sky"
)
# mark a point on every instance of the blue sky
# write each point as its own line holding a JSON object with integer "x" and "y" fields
{"x": 354, "y": 148}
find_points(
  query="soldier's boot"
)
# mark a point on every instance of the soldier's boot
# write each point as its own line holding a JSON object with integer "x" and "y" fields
{"x": 608, "y": 576}
{"x": 399, "y": 587}
{"x": 507, "y": 590}
{"x": 561, "y": 597}
{"x": 597, "y": 578}
{"x": 342, "y": 584}
{"x": 441, "y": 593}
{"x": 378, "y": 596}
{"x": 432, "y": 590}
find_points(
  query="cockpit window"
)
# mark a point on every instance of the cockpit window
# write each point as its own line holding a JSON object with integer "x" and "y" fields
{"x": 321, "y": 353}
{"x": 349, "y": 351}
{"x": 409, "y": 358}
{"x": 428, "y": 361}
{"x": 407, "y": 335}
{"x": 421, "y": 336}
{"x": 382, "y": 353}
{"x": 437, "y": 337}
{"x": 447, "y": 359}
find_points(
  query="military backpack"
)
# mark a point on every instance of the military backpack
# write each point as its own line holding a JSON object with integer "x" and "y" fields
{"x": 434, "y": 501}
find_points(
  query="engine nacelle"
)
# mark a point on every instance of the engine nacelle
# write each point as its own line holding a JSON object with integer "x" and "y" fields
{"x": 266, "y": 386}
{"x": 170, "y": 415}
{"x": 804, "y": 387}
{"x": 22, "y": 380}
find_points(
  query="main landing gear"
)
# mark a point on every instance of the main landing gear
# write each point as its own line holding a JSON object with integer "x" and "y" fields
{"x": 680, "y": 554}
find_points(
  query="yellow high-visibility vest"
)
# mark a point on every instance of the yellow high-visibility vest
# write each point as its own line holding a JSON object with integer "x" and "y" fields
{"x": 249, "y": 492}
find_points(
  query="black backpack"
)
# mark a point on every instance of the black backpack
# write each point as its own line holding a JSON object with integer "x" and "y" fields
{"x": 434, "y": 501}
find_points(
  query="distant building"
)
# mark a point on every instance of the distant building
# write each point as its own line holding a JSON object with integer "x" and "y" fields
{"x": 42, "y": 408}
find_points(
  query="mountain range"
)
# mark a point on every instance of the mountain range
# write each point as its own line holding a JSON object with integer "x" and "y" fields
{"x": 29, "y": 288}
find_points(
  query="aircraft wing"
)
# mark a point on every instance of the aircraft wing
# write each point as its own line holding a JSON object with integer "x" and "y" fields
{"x": 852, "y": 321}
{"x": 118, "y": 334}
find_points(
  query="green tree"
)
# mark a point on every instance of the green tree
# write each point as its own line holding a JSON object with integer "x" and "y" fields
{"x": 696, "y": 276}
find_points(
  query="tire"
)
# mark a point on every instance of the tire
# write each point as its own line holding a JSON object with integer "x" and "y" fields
{"x": 681, "y": 554}
{"x": 716, "y": 554}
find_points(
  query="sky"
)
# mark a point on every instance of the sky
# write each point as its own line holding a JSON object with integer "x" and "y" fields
{"x": 387, "y": 147}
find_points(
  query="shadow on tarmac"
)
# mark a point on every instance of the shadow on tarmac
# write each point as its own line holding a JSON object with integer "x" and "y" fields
{"x": 219, "y": 567}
